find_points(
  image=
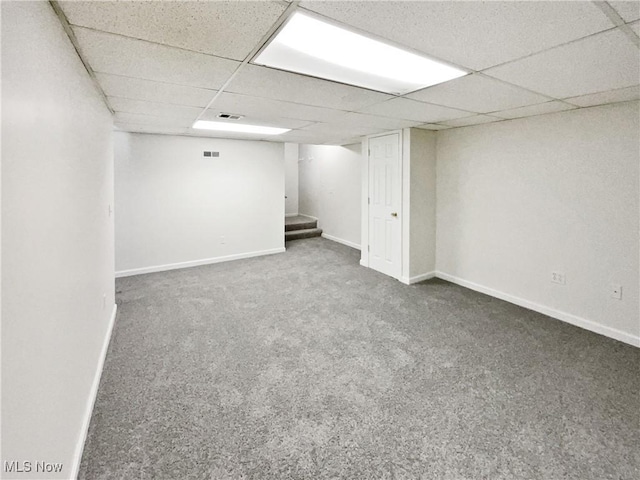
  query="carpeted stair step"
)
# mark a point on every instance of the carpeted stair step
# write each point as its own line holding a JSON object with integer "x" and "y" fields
{"x": 301, "y": 226}
{"x": 299, "y": 222}
{"x": 304, "y": 233}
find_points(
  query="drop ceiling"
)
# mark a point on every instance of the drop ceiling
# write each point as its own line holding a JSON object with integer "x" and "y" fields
{"x": 162, "y": 65}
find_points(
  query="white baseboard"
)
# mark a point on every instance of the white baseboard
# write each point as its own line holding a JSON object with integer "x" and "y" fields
{"x": 364, "y": 263}
{"x": 310, "y": 216}
{"x": 196, "y": 263}
{"x": 551, "y": 312}
{"x": 340, "y": 240}
{"x": 93, "y": 393}
{"x": 291, "y": 215}
{"x": 417, "y": 278}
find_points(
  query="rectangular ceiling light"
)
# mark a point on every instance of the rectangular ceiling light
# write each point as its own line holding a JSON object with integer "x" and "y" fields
{"x": 313, "y": 47}
{"x": 238, "y": 127}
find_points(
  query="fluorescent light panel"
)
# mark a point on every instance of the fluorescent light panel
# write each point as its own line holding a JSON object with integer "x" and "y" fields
{"x": 312, "y": 47}
{"x": 238, "y": 127}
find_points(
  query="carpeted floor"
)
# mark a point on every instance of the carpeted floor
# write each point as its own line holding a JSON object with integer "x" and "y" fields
{"x": 304, "y": 365}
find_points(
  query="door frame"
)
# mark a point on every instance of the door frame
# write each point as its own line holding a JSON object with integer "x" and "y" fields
{"x": 364, "y": 234}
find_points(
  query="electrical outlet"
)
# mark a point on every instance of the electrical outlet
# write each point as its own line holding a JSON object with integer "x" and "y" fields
{"x": 616, "y": 291}
{"x": 558, "y": 277}
{"x": 222, "y": 240}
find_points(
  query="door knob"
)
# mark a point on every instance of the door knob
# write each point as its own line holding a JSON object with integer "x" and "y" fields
{"x": 394, "y": 214}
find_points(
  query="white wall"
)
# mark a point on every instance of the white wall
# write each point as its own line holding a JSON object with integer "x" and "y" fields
{"x": 176, "y": 208}
{"x": 520, "y": 199}
{"x": 423, "y": 202}
{"x": 330, "y": 186}
{"x": 419, "y": 204}
{"x": 291, "y": 178}
{"x": 57, "y": 240}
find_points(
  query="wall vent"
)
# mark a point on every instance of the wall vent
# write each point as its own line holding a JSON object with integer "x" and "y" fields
{"x": 229, "y": 116}
{"x": 211, "y": 154}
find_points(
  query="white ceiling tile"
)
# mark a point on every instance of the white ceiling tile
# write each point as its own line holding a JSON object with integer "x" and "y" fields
{"x": 413, "y": 110}
{"x": 264, "y": 107}
{"x": 475, "y": 120}
{"x": 352, "y": 125}
{"x": 142, "y": 107}
{"x": 371, "y": 121}
{"x": 138, "y": 89}
{"x": 108, "y": 53}
{"x": 477, "y": 93}
{"x": 224, "y": 28}
{"x": 126, "y": 127}
{"x": 601, "y": 62}
{"x": 531, "y": 110}
{"x": 433, "y": 126}
{"x": 151, "y": 120}
{"x": 279, "y": 85}
{"x": 611, "y": 96}
{"x": 629, "y": 11}
{"x": 258, "y": 119}
{"x": 476, "y": 35}
{"x": 332, "y": 130}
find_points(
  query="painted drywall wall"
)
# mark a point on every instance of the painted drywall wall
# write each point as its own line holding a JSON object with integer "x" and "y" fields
{"x": 419, "y": 204}
{"x": 291, "y": 178}
{"x": 57, "y": 242}
{"x": 423, "y": 202}
{"x": 177, "y": 208}
{"x": 520, "y": 199}
{"x": 330, "y": 188}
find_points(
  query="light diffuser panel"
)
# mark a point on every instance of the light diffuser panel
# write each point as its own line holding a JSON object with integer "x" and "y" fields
{"x": 238, "y": 127}
{"x": 313, "y": 47}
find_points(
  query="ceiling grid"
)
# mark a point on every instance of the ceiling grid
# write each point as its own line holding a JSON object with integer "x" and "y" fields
{"x": 163, "y": 65}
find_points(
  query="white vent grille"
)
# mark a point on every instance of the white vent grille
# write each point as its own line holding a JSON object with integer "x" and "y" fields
{"x": 229, "y": 116}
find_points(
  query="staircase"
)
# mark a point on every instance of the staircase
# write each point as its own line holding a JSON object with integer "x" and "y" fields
{"x": 299, "y": 227}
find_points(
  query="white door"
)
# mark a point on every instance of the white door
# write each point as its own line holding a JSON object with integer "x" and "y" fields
{"x": 385, "y": 187}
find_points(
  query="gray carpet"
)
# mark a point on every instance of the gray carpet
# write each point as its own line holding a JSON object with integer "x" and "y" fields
{"x": 304, "y": 365}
